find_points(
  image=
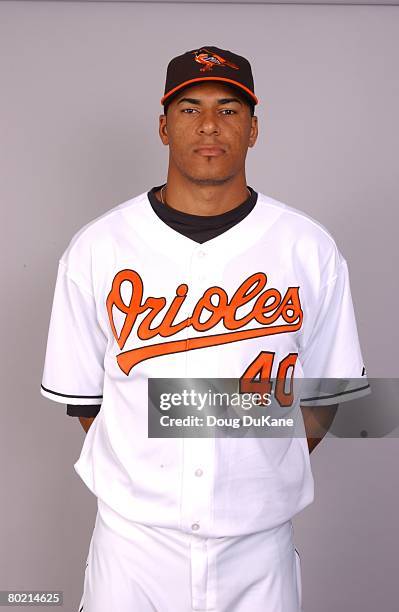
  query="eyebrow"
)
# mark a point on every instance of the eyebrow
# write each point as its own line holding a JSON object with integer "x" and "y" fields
{"x": 220, "y": 101}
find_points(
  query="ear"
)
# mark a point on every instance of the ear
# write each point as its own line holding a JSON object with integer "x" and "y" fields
{"x": 163, "y": 130}
{"x": 254, "y": 131}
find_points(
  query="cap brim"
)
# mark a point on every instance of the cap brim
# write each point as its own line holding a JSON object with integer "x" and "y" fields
{"x": 248, "y": 92}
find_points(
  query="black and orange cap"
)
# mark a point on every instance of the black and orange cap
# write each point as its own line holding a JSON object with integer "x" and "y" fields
{"x": 209, "y": 63}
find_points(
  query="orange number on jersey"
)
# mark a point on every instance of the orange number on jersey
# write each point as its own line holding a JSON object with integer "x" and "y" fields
{"x": 283, "y": 398}
{"x": 256, "y": 378}
{"x": 262, "y": 365}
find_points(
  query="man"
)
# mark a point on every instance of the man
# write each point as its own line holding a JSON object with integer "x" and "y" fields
{"x": 201, "y": 277}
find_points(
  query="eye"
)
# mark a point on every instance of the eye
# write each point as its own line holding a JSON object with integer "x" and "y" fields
{"x": 229, "y": 110}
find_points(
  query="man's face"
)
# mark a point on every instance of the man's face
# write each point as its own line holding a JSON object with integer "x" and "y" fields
{"x": 208, "y": 114}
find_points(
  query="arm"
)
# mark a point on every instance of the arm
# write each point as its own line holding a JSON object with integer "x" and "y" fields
{"x": 86, "y": 422}
{"x": 317, "y": 420}
{"x": 86, "y": 414}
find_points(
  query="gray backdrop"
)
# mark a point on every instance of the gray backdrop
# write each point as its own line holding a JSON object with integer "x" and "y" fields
{"x": 80, "y": 98}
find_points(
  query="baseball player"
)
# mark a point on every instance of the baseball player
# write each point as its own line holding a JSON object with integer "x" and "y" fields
{"x": 201, "y": 276}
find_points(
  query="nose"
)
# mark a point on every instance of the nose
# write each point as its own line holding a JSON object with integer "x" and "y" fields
{"x": 208, "y": 123}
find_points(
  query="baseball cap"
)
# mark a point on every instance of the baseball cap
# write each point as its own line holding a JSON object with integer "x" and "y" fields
{"x": 209, "y": 63}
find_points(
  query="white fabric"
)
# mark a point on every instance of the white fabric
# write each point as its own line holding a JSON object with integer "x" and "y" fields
{"x": 156, "y": 569}
{"x": 128, "y": 265}
{"x": 75, "y": 345}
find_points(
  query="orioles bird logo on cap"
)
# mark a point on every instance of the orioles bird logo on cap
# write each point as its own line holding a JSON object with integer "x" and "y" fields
{"x": 209, "y": 60}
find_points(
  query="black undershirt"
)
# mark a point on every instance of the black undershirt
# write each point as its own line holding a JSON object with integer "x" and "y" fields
{"x": 199, "y": 228}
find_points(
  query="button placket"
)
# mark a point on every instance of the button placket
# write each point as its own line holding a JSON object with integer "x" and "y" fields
{"x": 199, "y": 573}
{"x": 198, "y": 453}
{"x": 197, "y": 486}
{"x": 197, "y": 275}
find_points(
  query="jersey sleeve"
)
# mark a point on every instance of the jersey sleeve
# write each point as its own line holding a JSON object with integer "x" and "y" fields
{"x": 332, "y": 360}
{"x": 74, "y": 361}
{"x": 83, "y": 411}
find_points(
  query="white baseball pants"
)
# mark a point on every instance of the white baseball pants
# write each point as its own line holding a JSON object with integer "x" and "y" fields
{"x": 165, "y": 570}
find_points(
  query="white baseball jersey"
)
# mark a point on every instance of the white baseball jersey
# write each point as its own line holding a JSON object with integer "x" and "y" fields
{"x": 134, "y": 299}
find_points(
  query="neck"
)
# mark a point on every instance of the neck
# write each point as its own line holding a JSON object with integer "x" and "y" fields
{"x": 205, "y": 200}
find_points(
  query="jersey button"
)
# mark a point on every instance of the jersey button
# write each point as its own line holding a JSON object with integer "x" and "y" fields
{"x": 199, "y": 472}
{"x": 195, "y": 526}
{"x": 201, "y": 254}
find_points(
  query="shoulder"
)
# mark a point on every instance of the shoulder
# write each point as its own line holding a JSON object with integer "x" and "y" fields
{"x": 99, "y": 229}
{"x": 303, "y": 237}
{"x": 296, "y": 219}
{"x": 94, "y": 240}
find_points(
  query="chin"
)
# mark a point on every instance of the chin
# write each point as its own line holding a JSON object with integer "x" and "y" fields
{"x": 206, "y": 176}
{"x": 210, "y": 181}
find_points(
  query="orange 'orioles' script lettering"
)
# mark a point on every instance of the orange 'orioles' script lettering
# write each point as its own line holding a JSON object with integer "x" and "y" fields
{"x": 267, "y": 307}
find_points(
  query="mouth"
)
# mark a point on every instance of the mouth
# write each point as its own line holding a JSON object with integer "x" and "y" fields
{"x": 210, "y": 151}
